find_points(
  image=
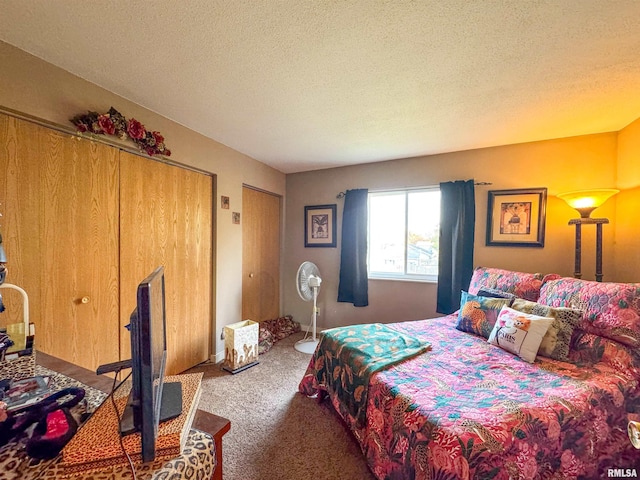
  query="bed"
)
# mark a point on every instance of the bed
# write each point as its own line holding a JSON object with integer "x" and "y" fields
{"x": 460, "y": 407}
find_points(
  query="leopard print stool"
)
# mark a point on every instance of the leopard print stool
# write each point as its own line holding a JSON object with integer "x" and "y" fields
{"x": 196, "y": 461}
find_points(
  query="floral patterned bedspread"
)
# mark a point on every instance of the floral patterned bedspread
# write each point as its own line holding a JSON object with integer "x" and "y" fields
{"x": 467, "y": 409}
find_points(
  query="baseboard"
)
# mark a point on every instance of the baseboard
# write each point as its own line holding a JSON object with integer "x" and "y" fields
{"x": 218, "y": 357}
{"x": 319, "y": 328}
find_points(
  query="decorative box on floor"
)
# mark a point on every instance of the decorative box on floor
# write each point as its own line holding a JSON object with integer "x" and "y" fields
{"x": 240, "y": 346}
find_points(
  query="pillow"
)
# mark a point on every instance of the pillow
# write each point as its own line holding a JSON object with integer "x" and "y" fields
{"x": 519, "y": 333}
{"x": 555, "y": 343}
{"x": 495, "y": 293}
{"x": 610, "y": 310}
{"x": 281, "y": 327}
{"x": 265, "y": 340}
{"x": 523, "y": 285}
{"x": 588, "y": 349}
{"x": 478, "y": 314}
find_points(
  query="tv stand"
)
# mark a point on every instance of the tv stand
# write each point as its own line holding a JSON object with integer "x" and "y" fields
{"x": 170, "y": 407}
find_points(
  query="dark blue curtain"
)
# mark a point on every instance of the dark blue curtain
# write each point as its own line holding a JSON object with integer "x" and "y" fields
{"x": 457, "y": 227}
{"x": 354, "y": 281}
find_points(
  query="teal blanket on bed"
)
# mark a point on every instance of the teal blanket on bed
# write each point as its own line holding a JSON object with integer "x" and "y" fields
{"x": 347, "y": 357}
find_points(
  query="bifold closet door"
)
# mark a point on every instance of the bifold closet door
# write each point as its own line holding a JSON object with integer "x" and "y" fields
{"x": 166, "y": 219}
{"x": 60, "y": 229}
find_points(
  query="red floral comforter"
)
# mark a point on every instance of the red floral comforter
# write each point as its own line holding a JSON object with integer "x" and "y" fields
{"x": 468, "y": 409}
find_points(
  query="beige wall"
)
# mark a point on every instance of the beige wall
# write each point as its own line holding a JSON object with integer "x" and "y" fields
{"x": 560, "y": 165}
{"x": 627, "y": 225}
{"x": 32, "y": 86}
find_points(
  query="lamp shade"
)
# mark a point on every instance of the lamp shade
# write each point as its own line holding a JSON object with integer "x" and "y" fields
{"x": 586, "y": 201}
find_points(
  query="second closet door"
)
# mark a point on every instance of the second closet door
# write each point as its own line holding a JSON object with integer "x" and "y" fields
{"x": 166, "y": 219}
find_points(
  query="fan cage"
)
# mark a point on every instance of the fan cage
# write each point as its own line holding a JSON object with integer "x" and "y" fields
{"x": 306, "y": 270}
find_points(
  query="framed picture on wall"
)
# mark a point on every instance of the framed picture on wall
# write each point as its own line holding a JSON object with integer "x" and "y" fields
{"x": 320, "y": 226}
{"x": 516, "y": 218}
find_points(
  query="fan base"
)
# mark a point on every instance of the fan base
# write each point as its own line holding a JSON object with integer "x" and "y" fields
{"x": 307, "y": 345}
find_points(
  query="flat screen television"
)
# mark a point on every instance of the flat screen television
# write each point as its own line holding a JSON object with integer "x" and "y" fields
{"x": 151, "y": 400}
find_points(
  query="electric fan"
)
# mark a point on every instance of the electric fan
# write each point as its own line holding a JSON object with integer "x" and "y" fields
{"x": 308, "y": 282}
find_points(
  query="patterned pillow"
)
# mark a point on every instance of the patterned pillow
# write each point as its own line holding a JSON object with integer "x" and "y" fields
{"x": 611, "y": 310}
{"x": 556, "y": 341}
{"x": 281, "y": 327}
{"x": 588, "y": 349}
{"x": 519, "y": 333}
{"x": 265, "y": 340}
{"x": 495, "y": 293}
{"x": 478, "y": 314}
{"x": 523, "y": 285}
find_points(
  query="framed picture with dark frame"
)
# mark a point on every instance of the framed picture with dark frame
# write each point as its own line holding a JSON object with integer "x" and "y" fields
{"x": 516, "y": 218}
{"x": 320, "y": 226}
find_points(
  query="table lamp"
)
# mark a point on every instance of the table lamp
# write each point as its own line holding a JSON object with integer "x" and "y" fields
{"x": 585, "y": 202}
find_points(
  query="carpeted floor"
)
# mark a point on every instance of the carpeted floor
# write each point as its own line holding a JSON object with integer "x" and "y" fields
{"x": 277, "y": 433}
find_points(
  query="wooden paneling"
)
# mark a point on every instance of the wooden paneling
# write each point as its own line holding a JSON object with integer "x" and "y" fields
{"x": 61, "y": 232}
{"x": 260, "y": 255}
{"x": 166, "y": 219}
{"x": 63, "y": 199}
{"x": 20, "y": 168}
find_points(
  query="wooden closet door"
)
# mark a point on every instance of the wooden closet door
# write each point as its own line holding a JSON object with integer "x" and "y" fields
{"x": 20, "y": 203}
{"x": 61, "y": 232}
{"x": 166, "y": 219}
{"x": 260, "y": 255}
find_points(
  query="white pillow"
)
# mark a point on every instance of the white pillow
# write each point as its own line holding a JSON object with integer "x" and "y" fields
{"x": 519, "y": 333}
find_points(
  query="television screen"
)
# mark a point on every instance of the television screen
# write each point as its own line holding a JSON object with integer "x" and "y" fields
{"x": 151, "y": 400}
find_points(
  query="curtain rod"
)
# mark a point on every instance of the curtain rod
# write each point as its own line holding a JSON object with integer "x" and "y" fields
{"x": 342, "y": 194}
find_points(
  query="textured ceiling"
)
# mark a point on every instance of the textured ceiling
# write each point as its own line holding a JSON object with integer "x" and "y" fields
{"x": 303, "y": 85}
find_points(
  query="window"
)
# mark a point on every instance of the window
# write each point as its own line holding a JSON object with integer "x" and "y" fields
{"x": 404, "y": 229}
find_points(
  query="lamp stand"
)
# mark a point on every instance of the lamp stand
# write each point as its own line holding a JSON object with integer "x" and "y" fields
{"x": 598, "y": 222}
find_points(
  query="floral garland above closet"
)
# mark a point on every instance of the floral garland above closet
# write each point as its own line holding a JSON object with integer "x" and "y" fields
{"x": 114, "y": 123}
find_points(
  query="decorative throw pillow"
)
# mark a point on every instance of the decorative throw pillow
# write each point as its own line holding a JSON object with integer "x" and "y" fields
{"x": 588, "y": 349}
{"x": 478, "y": 314}
{"x": 281, "y": 327}
{"x": 265, "y": 340}
{"x": 519, "y": 333}
{"x": 521, "y": 284}
{"x": 610, "y": 310}
{"x": 495, "y": 293}
{"x": 555, "y": 343}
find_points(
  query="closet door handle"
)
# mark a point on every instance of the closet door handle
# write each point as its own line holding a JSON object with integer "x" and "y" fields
{"x": 251, "y": 275}
{"x": 85, "y": 300}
